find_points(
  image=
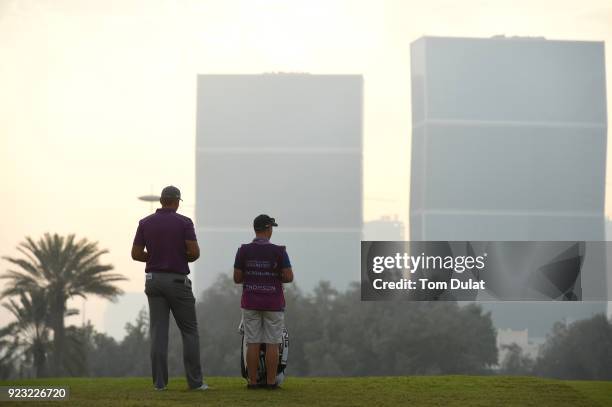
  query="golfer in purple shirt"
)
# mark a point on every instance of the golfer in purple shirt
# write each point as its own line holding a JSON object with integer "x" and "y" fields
{"x": 166, "y": 242}
{"x": 262, "y": 268}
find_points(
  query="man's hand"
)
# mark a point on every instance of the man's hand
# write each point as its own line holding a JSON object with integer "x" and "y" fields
{"x": 238, "y": 276}
{"x": 139, "y": 254}
{"x": 193, "y": 250}
{"x": 287, "y": 275}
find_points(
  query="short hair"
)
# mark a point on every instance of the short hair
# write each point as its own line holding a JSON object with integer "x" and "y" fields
{"x": 165, "y": 201}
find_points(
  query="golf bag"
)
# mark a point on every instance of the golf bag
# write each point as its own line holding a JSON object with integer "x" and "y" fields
{"x": 283, "y": 354}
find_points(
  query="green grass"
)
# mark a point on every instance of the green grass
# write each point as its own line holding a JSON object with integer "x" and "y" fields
{"x": 363, "y": 391}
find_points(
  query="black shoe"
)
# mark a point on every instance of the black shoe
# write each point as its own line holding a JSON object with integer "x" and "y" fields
{"x": 274, "y": 386}
{"x": 252, "y": 386}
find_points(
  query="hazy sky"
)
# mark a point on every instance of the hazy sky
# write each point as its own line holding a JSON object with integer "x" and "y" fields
{"x": 97, "y": 98}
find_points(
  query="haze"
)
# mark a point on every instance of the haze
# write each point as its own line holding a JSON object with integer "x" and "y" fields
{"x": 98, "y": 98}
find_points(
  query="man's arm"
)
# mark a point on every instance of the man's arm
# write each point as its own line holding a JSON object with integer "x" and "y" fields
{"x": 286, "y": 270}
{"x": 193, "y": 250}
{"x": 287, "y": 275}
{"x": 238, "y": 273}
{"x": 138, "y": 246}
{"x": 238, "y": 276}
{"x": 139, "y": 253}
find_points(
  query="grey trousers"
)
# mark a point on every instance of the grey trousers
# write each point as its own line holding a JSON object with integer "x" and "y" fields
{"x": 169, "y": 292}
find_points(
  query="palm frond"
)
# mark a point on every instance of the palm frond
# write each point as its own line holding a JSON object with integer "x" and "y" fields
{"x": 27, "y": 266}
{"x": 65, "y": 264}
{"x": 17, "y": 283}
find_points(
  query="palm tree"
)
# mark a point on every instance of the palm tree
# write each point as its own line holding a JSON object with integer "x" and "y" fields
{"x": 30, "y": 331}
{"x": 31, "y": 327}
{"x": 64, "y": 268}
{"x": 9, "y": 348}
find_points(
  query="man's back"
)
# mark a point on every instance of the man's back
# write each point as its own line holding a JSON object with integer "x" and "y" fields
{"x": 261, "y": 263}
{"x": 164, "y": 234}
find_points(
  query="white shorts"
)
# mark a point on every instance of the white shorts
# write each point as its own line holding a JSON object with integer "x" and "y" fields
{"x": 263, "y": 326}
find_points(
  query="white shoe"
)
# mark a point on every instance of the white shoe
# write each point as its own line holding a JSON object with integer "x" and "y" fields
{"x": 161, "y": 388}
{"x": 203, "y": 387}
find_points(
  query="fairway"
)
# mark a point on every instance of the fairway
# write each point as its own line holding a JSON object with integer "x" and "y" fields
{"x": 362, "y": 391}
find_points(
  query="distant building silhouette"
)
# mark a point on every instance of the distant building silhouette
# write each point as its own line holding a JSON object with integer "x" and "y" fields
{"x": 386, "y": 228}
{"x": 290, "y": 146}
{"x": 509, "y": 143}
{"x": 507, "y": 337}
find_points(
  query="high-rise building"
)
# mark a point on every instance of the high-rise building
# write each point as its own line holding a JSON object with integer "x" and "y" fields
{"x": 290, "y": 146}
{"x": 509, "y": 143}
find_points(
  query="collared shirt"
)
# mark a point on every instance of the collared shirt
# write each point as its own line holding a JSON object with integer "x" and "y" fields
{"x": 163, "y": 234}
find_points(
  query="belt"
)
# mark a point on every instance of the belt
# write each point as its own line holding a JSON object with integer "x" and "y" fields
{"x": 183, "y": 280}
{"x": 149, "y": 276}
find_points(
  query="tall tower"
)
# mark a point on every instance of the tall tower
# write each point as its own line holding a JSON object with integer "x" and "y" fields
{"x": 509, "y": 143}
{"x": 290, "y": 146}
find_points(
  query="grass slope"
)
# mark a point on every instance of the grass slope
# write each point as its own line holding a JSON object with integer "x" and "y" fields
{"x": 362, "y": 391}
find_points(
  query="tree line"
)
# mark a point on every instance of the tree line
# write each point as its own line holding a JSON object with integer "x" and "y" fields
{"x": 581, "y": 350}
{"x": 332, "y": 333}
